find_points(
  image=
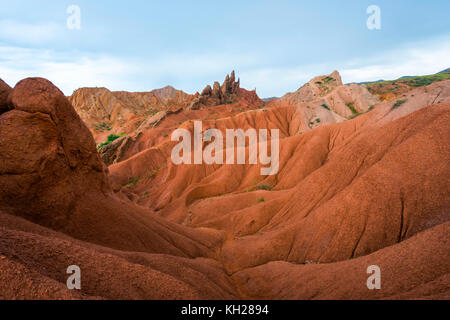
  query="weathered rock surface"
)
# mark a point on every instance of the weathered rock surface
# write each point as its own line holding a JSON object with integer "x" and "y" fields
{"x": 368, "y": 191}
{"x": 114, "y": 112}
{"x": 46, "y": 152}
{"x": 228, "y": 92}
{"x": 4, "y": 92}
{"x": 51, "y": 174}
{"x": 325, "y": 100}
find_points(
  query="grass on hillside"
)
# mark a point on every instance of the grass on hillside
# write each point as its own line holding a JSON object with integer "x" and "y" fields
{"x": 418, "y": 81}
{"x": 351, "y": 106}
{"x": 398, "y": 103}
{"x": 111, "y": 138}
{"x": 326, "y": 107}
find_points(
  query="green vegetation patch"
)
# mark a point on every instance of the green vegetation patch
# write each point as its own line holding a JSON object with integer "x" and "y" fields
{"x": 355, "y": 115}
{"x": 326, "y": 107}
{"x": 103, "y": 127}
{"x": 328, "y": 79}
{"x": 111, "y": 138}
{"x": 351, "y": 106}
{"x": 427, "y": 80}
{"x": 152, "y": 173}
{"x": 132, "y": 182}
{"x": 398, "y": 103}
{"x": 412, "y": 82}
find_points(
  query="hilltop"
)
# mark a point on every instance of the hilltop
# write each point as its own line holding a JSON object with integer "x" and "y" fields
{"x": 391, "y": 89}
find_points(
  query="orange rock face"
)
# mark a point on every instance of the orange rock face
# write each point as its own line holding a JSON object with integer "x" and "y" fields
{"x": 366, "y": 185}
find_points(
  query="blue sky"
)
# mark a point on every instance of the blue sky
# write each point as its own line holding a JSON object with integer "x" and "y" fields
{"x": 274, "y": 46}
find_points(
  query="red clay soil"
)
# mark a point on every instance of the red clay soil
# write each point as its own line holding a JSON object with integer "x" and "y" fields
{"x": 368, "y": 191}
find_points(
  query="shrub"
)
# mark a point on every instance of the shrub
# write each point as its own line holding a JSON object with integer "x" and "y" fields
{"x": 398, "y": 103}
{"x": 326, "y": 107}
{"x": 114, "y": 137}
{"x": 111, "y": 138}
{"x": 103, "y": 127}
{"x": 152, "y": 173}
{"x": 261, "y": 200}
{"x": 353, "y": 116}
{"x": 351, "y": 106}
{"x": 263, "y": 186}
{"x": 132, "y": 182}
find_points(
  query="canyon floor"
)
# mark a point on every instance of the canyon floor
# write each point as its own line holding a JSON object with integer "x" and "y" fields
{"x": 88, "y": 180}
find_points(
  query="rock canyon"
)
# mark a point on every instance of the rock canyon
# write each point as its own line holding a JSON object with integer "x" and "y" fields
{"x": 88, "y": 180}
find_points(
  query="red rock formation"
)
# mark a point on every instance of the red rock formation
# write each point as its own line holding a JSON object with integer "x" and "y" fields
{"x": 228, "y": 92}
{"x": 4, "y": 92}
{"x": 51, "y": 174}
{"x": 106, "y": 112}
{"x": 368, "y": 191}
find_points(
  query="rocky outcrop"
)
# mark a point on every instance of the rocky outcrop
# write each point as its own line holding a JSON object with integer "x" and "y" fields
{"x": 315, "y": 88}
{"x": 51, "y": 175}
{"x": 53, "y": 161}
{"x": 168, "y": 93}
{"x": 230, "y": 86}
{"x": 325, "y": 100}
{"x": 216, "y": 92}
{"x": 115, "y": 151}
{"x": 104, "y": 110}
{"x": 4, "y": 92}
{"x": 207, "y": 92}
{"x": 228, "y": 92}
{"x": 99, "y": 105}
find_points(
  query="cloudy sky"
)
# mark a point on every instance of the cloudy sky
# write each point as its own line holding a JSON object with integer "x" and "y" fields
{"x": 274, "y": 46}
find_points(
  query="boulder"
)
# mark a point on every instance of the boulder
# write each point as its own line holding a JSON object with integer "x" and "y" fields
{"x": 48, "y": 158}
{"x": 4, "y": 92}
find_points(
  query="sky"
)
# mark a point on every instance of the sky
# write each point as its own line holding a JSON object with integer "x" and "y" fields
{"x": 274, "y": 46}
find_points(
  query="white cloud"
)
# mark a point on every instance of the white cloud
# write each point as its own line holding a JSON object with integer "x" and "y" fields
{"x": 420, "y": 58}
{"x": 191, "y": 72}
{"x": 64, "y": 71}
{"x": 414, "y": 59}
{"x": 24, "y": 33}
{"x": 70, "y": 71}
